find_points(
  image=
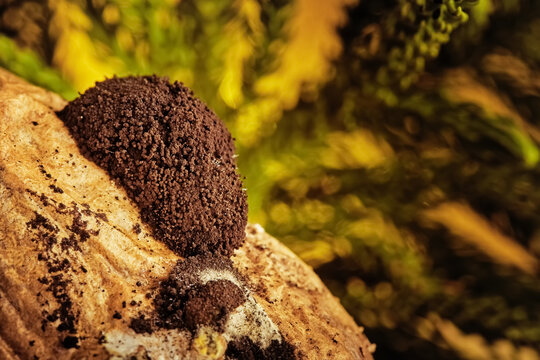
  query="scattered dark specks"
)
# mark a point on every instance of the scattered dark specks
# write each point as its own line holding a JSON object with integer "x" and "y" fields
{"x": 56, "y": 189}
{"x": 137, "y": 228}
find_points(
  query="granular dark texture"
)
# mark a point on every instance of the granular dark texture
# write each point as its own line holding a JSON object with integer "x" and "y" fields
{"x": 184, "y": 302}
{"x": 245, "y": 349}
{"x": 141, "y": 325}
{"x": 54, "y": 252}
{"x": 209, "y": 304}
{"x": 45, "y": 237}
{"x": 173, "y": 156}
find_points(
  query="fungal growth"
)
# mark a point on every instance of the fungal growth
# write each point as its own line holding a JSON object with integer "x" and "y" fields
{"x": 206, "y": 295}
{"x": 175, "y": 159}
{"x": 171, "y": 153}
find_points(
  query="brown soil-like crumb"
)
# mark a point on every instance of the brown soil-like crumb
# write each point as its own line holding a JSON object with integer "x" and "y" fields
{"x": 56, "y": 189}
{"x": 70, "y": 342}
{"x": 63, "y": 317}
{"x": 141, "y": 325}
{"x": 173, "y": 156}
{"x": 209, "y": 304}
{"x": 183, "y": 302}
{"x": 245, "y": 349}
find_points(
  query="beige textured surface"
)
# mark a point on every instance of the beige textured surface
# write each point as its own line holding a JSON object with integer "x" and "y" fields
{"x": 37, "y": 158}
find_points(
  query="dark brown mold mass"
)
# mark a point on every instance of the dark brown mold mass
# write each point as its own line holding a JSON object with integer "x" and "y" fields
{"x": 184, "y": 302}
{"x": 209, "y": 304}
{"x": 245, "y": 349}
{"x": 173, "y": 155}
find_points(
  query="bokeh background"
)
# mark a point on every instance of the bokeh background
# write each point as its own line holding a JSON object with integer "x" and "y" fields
{"x": 392, "y": 144}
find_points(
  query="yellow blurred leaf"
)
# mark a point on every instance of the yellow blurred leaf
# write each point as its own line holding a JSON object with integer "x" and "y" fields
{"x": 240, "y": 44}
{"x": 472, "y": 346}
{"x": 314, "y": 214}
{"x": 312, "y": 44}
{"x": 303, "y": 63}
{"x": 124, "y": 37}
{"x": 111, "y": 14}
{"x": 230, "y": 88}
{"x": 280, "y": 213}
{"x": 314, "y": 253}
{"x": 374, "y": 230}
{"x": 474, "y": 229}
{"x": 67, "y": 15}
{"x": 354, "y": 150}
{"x": 523, "y": 78}
{"x": 75, "y": 54}
{"x": 462, "y": 86}
{"x": 254, "y": 118}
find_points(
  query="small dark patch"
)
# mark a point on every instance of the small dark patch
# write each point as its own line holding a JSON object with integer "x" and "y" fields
{"x": 44, "y": 200}
{"x": 101, "y": 216}
{"x": 35, "y": 123}
{"x": 56, "y": 189}
{"x": 70, "y": 243}
{"x": 64, "y": 313}
{"x": 117, "y": 315}
{"x": 40, "y": 221}
{"x": 137, "y": 228}
{"x": 70, "y": 342}
{"x": 141, "y": 325}
{"x": 58, "y": 265}
{"x": 245, "y": 349}
{"x": 44, "y": 172}
{"x": 79, "y": 226}
{"x": 210, "y": 304}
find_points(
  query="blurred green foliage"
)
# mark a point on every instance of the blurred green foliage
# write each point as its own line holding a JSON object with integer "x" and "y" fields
{"x": 392, "y": 144}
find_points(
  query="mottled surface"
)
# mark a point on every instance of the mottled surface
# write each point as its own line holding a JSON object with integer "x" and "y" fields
{"x": 76, "y": 262}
